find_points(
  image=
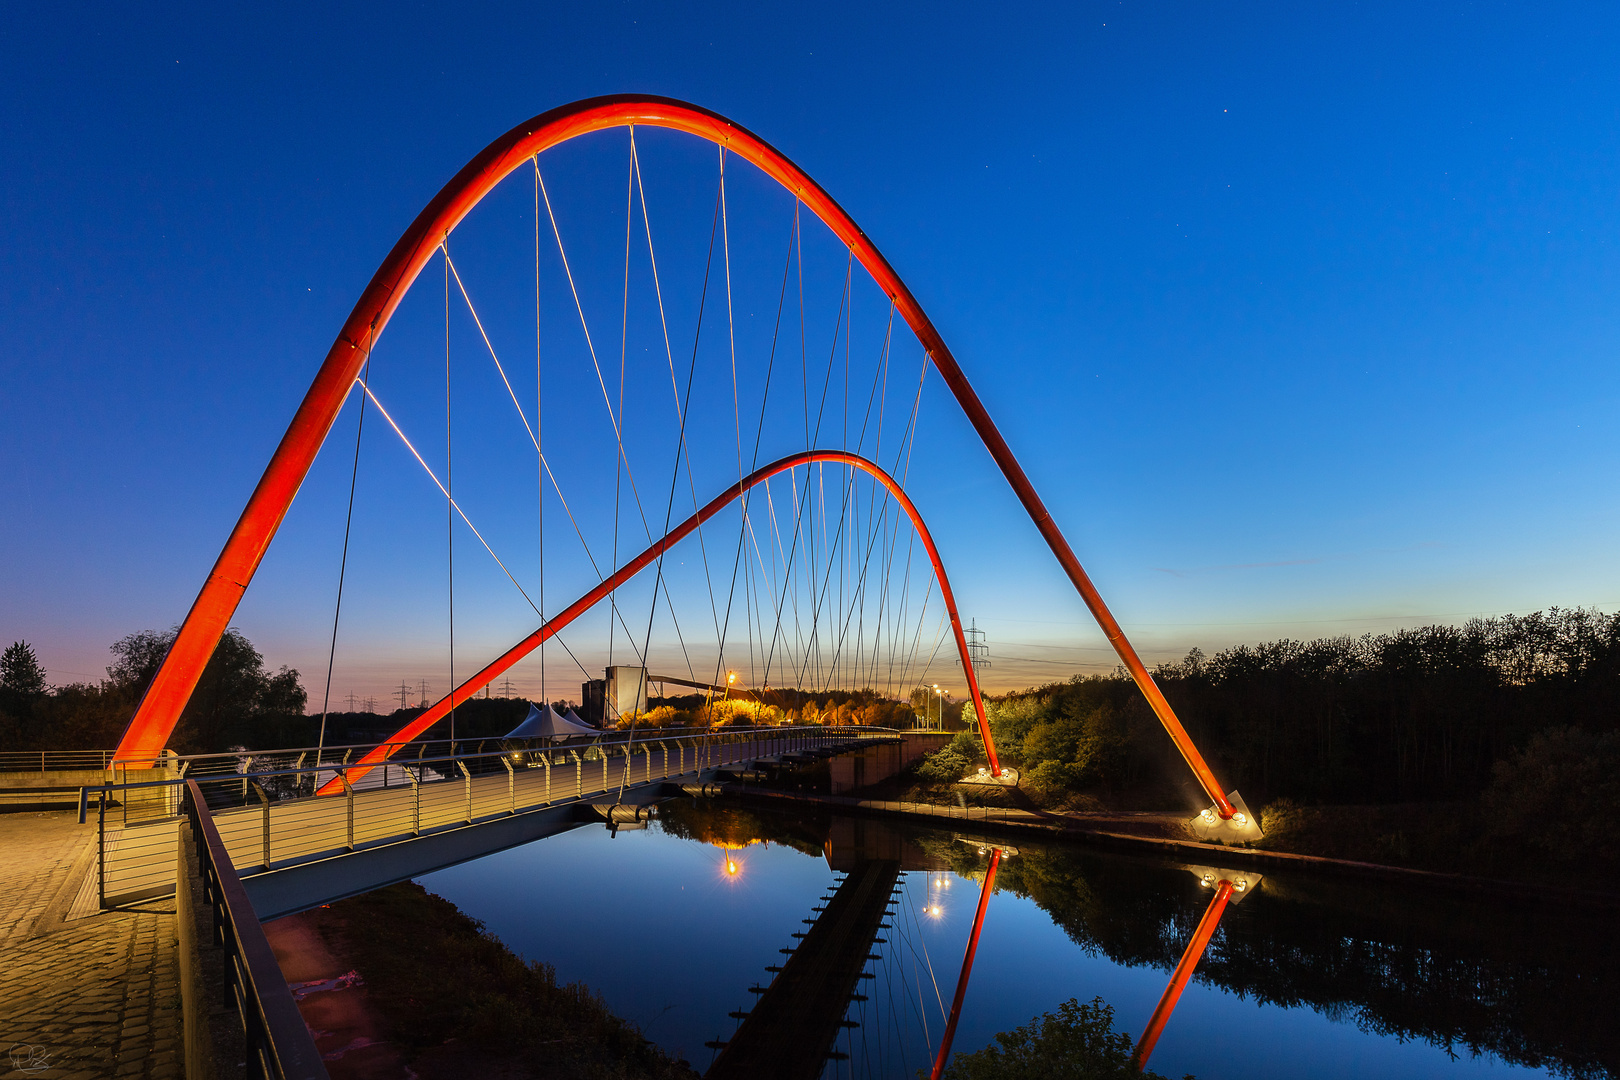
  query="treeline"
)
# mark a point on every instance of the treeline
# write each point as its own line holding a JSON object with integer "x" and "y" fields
{"x": 1418, "y": 714}
{"x": 237, "y": 701}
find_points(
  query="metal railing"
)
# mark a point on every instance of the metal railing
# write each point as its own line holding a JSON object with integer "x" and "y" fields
{"x": 330, "y": 756}
{"x": 54, "y": 760}
{"x": 279, "y": 1044}
{"x": 267, "y": 813}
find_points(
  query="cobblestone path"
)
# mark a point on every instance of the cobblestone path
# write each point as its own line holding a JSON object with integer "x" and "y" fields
{"x": 96, "y": 995}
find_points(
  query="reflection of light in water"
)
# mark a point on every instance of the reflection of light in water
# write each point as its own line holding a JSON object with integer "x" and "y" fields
{"x": 937, "y": 885}
{"x": 730, "y": 866}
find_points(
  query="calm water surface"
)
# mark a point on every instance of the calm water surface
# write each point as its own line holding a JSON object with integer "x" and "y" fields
{"x": 673, "y": 924}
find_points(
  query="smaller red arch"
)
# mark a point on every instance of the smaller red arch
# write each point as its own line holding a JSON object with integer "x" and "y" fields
{"x": 552, "y": 626}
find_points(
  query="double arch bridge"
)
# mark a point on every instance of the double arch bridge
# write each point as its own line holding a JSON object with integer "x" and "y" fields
{"x": 428, "y": 236}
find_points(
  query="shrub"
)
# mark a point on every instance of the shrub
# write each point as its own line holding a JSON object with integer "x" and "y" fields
{"x": 1559, "y": 795}
{"x": 952, "y": 761}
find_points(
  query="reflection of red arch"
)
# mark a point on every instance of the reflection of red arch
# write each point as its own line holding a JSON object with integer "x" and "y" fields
{"x": 630, "y": 569}
{"x": 211, "y": 613}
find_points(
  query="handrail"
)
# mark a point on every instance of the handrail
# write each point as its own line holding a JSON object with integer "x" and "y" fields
{"x": 54, "y": 760}
{"x": 611, "y": 736}
{"x": 858, "y": 731}
{"x": 279, "y": 1044}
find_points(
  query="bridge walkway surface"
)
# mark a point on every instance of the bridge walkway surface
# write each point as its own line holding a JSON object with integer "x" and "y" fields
{"x": 83, "y": 993}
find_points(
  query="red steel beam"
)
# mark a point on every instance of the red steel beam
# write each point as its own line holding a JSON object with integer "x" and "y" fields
{"x": 502, "y": 663}
{"x": 967, "y": 967}
{"x": 1184, "y": 971}
{"x": 211, "y": 612}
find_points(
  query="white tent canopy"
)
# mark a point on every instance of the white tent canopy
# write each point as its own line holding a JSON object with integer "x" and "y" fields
{"x": 544, "y": 723}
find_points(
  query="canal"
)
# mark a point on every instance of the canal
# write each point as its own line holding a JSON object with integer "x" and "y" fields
{"x": 677, "y": 924}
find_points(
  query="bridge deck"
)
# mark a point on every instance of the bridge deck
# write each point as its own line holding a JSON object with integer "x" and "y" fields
{"x": 267, "y": 840}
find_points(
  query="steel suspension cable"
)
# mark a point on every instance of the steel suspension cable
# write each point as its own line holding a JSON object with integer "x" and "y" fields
{"x": 680, "y": 445}
{"x": 343, "y": 563}
{"x": 663, "y": 322}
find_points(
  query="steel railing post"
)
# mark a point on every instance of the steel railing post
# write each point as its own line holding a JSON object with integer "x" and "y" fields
{"x": 579, "y": 774}
{"x": 416, "y": 800}
{"x": 462, "y": 765}
{"x": 546, "y": 761}
{"x": 101, "y": 849}
{"x": 348, "y": 797}
{"x": 264, "y": 801}
{"x": 511, "y": 784}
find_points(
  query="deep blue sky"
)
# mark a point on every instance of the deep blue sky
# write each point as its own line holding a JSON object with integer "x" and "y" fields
{"x": 1303, "y": 322}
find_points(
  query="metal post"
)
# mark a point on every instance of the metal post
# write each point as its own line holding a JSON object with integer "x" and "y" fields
{"x": 416, "y": 800}
{"x": 264, "y": 800}
{"x": 462, "y": 765}
{"x": 348, "y": 795}
{"x": 511, "y": 784}
{"x": 546, "y": 761}
{"x": 101, "y": 848}
{"x": 579, "y": 774}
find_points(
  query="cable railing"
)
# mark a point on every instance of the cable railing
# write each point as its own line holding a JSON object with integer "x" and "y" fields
{"x": 278, "y": 1043}
{"x": 269, "y": 817}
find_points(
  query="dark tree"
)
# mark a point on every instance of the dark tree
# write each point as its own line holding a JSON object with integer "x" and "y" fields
{"x": 20, "y": 671}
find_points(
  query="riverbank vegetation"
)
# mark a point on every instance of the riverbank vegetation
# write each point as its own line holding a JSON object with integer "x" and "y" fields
{"x": 1491, "y": 747}
{"x": 439, "y": 982}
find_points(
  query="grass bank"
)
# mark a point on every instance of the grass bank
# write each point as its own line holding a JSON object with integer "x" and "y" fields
{"x": 458, "y": 1002}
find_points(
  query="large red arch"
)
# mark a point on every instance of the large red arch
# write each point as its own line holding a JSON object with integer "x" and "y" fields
{"x": 497, "y": 667}
{"x": 211, "y": 613}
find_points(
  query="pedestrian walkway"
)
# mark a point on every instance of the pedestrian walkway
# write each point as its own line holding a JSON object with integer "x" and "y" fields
{"x": 83, "y": 994}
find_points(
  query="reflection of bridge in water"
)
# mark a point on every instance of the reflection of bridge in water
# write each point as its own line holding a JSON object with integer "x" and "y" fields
{"x": 792, "y": 1030}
